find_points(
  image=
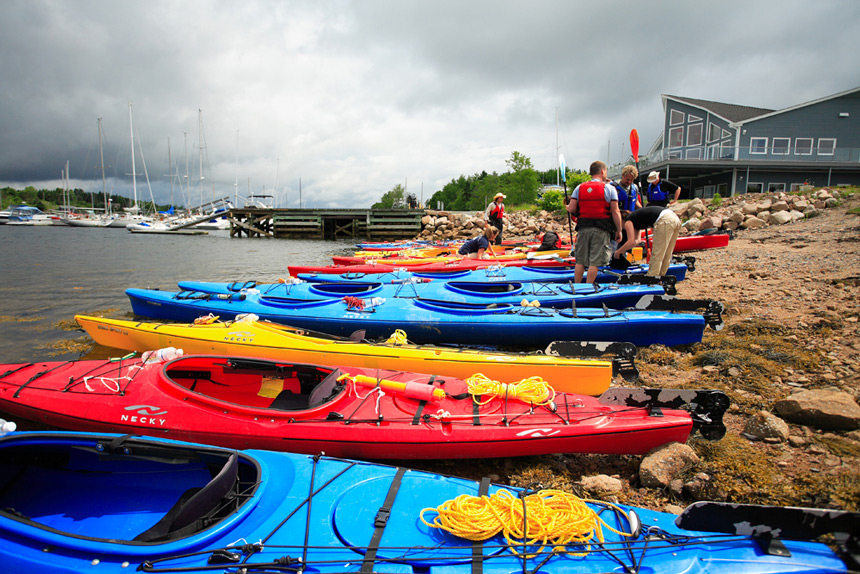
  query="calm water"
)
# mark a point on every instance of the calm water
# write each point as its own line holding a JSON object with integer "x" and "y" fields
{"x": 49, "y": 274}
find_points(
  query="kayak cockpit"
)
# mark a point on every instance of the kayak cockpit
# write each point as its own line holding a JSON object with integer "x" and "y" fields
{"x": 257, "y": 383}
{"x": 122, "y": 489}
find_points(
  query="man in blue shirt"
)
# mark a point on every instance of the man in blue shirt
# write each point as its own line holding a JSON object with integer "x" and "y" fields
{"x": 659, "y": 190}
{"x": 628, "y": 192}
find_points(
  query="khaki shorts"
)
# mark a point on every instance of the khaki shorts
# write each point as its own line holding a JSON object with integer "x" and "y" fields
{"x": 592, "y": 247}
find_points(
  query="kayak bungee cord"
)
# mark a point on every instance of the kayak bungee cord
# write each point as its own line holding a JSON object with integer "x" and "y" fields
{"x": 38, "y": 375}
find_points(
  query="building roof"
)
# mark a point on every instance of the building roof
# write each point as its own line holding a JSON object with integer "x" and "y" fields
{"x": 730, "y": 112}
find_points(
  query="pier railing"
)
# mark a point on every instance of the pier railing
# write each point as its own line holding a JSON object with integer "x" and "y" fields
{"x": 376, "y": 224}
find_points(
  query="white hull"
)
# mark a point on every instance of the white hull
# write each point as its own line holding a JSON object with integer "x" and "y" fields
{"x": 84, "y": 222}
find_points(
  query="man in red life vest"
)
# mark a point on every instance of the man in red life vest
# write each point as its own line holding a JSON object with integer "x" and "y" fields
{"x": 595, "y": 205}
{"x": 496, "y": 215}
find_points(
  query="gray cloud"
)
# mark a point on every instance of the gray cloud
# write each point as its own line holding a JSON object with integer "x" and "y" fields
{"x": 356, "y": 97}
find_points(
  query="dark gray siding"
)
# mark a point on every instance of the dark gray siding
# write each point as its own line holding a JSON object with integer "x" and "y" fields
{"x": 715, "y": 133}
{"x": 814, "y": 121}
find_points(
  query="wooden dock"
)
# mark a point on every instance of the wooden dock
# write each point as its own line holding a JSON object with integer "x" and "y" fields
{"x": 375, "y": 224}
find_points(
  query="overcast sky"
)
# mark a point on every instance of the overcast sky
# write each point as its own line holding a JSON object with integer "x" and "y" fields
{"x": 353, "y": 98}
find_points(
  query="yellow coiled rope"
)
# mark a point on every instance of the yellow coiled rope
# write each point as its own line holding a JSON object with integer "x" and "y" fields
{"x": 553, "y": 518}
{"x": 397, "y": 338}
{"x": 532, "y": 390}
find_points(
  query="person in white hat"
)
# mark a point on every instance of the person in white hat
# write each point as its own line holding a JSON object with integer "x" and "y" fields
{"x": 660, "y": 190}
{"x": 496, "y": 215}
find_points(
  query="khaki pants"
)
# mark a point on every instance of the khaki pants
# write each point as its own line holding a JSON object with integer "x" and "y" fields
{"x": 664, "y": 237}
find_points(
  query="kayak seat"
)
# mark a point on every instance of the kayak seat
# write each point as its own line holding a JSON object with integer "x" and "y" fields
{"x": 323, "y": 392}
{"x": 328, "y": 388}
{"x": 194, "y": 505}
{"x": 289, "y": 401}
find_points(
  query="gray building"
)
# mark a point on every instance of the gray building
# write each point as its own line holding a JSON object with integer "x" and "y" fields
{"x": 712, "y": 147}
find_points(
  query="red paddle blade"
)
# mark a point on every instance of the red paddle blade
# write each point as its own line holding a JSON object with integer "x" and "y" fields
{"x": 634, "y": 144}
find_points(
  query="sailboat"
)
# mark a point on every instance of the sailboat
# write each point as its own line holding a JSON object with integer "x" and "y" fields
{"x": 90, "y": 218}
{"x": 130, "y": 215}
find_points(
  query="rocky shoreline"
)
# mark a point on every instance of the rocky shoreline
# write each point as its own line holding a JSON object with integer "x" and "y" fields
{"x": 787, "y": 359}
{"x": 751, "y": 211}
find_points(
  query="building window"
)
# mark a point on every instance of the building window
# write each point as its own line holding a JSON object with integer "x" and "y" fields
{"x": 775, "y": 187}
{"x": 676, "y": 118}
{"x": 758, "y": 145}
{"x": 692, "y": 119}
{"x": 694, "y": 135}
{"x": 723, "y": 189}
{"x": 709, "y": 191}
{"x": 826, "y": 146}
{"x": 803, "y": 146}
{"x": 781, "y": 146}
{"x": 713, "y": 132}
{"x": 754, "y": 187}
{"x": 694, "y": 153}
{"x": 726, "y": 150}
{"x": 676, "y": 137}
{"x": 727, "y": 134}
{"x": 699, "y": 192}
{"x": 795, "y": 186}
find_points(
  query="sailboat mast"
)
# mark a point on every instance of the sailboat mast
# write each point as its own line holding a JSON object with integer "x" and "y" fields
{"x": 236, "y": 183}
{"x": 557, "y": 164}
{"x": 133, "y": 172}
{"x": 170, "y": 169}
{"x": 102, "y": 158}
{"x": 200, "y": 146}
{"x": 275, "y": 183}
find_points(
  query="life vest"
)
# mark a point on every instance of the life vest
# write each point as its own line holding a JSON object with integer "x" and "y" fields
{"x": 497, "y": 211}
{"x": 592, "y": 202}
{"x": 550, "y": 241}
{"x": 626, "y": 199}
{"x": 655, "y": 193}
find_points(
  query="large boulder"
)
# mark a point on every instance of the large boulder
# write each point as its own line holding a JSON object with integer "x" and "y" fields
{"x": 664, "y": 463}
{"x": 821, "y": 408}
{"x": 753, "y": 223}
{"x": 780, "y": 217}
{"x": 749, "y": 208}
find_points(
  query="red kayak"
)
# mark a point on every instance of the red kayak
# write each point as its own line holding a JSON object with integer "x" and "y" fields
{"x": 431, "y": 266}
{"x": 345, "y": 412}
{"x": 699, "y": 242}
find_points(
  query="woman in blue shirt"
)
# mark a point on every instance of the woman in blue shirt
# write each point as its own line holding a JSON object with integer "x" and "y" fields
{"x": 474, "y": 248}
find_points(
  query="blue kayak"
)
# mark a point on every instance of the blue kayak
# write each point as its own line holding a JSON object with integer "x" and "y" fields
{"x": 560, "y": 294}
{"x": 108, "y": 503}
{"x": 432, "y": 321}
{"x": 528, "y": 273}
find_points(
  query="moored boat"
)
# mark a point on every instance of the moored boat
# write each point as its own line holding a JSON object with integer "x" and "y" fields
{"x": 153, "y": 505}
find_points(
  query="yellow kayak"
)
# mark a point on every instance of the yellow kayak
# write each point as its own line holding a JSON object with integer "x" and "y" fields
{"x": 263, "y": 339}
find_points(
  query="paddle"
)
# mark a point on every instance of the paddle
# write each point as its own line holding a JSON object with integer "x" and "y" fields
{"x": 634, "y": 149}
{"x": 566, "y": 200}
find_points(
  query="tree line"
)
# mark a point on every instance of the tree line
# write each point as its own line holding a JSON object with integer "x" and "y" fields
{"x": 47, "y": 199}
{"x": 520, "y": 185}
